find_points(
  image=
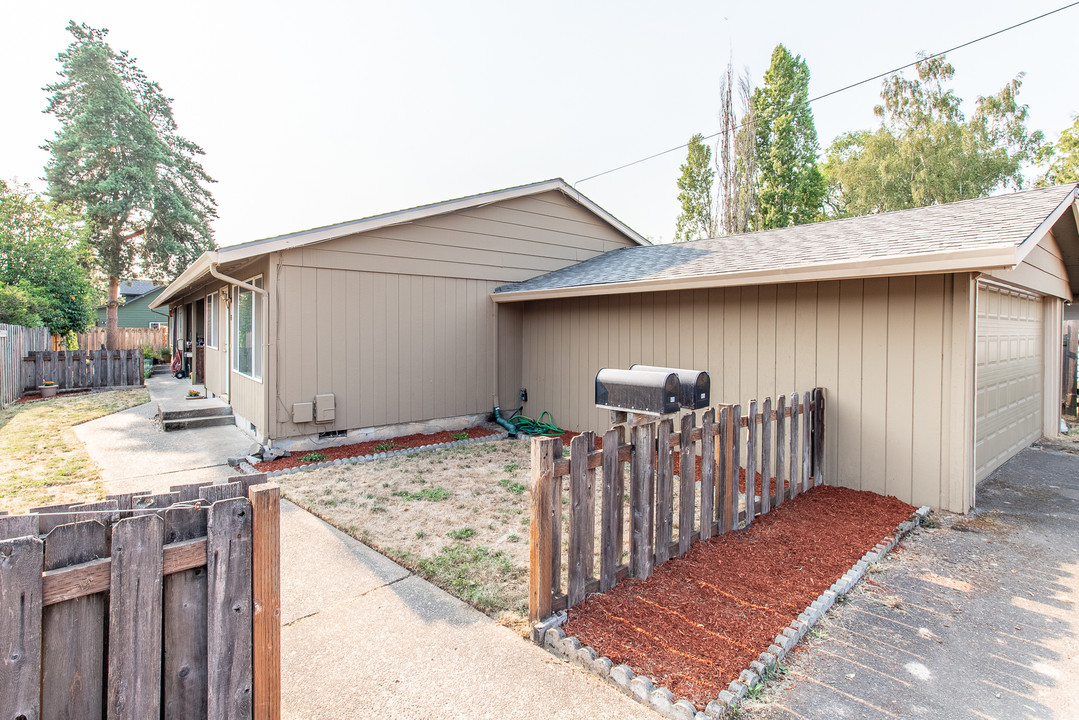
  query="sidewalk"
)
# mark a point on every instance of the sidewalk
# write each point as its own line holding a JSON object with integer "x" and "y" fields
{"x": 362, "y": 637}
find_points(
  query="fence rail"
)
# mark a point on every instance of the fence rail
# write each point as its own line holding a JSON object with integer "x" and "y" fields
{"x": 74, "y": 369}
{"x": 129, "y": 339}
{"x": 731, "y": 469}
{"x": 144, "y": 606}
{"x": 15, "y": 342}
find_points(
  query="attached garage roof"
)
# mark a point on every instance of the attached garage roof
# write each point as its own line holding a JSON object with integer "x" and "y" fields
{"x": 972, "y": 235}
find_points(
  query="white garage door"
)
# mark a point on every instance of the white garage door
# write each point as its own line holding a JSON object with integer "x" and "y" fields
{"x": 1008, "y": 403}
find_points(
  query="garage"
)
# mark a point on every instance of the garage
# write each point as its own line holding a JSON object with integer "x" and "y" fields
{"x": 1008, "y": 375}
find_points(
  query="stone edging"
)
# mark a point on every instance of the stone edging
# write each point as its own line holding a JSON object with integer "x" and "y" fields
{"x": 248, "y": 468}
{"x": 550, "y": 635}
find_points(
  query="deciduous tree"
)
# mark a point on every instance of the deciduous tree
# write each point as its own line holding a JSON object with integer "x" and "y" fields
{"x": 926, "y": 151}
{"x": 698, "y": 217}
{"x": 118, "y": 160}
{"x": 43, "y": 263}
{"x": 1063, "y": 156}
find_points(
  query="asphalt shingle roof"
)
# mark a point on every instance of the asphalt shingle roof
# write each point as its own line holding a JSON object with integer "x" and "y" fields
{"x": 135, "y": 288}
{"x": 992, "y": 222}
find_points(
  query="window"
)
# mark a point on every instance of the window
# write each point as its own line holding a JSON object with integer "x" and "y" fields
{"x": 212, "y": 319}
{"x": 156, "y": 325}
{"x": 247, "y": 330}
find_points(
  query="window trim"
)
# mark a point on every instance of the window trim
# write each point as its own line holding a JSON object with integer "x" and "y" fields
{"x": 212, "y": 321}
{"x": 234, "y": 330}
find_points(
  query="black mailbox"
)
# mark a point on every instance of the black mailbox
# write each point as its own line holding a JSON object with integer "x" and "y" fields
{"x": 637, "y": 391}
{"x": 695, "y": 385}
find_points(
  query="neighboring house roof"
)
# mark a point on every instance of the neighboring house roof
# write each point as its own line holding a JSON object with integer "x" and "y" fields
{"x": 985, "y": 233}
{"x": 200, "y": 268}
{"x": 131, "y": 289}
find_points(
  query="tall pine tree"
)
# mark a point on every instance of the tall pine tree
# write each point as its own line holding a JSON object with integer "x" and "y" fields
{"x": 118, "y": 160}
{"x": 790, "y": 187}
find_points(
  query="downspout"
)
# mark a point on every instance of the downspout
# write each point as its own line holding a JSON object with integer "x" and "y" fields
{"x": 233, "y": 281}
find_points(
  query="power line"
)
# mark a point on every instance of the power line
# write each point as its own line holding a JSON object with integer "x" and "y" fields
{"x": 847, "y": 87}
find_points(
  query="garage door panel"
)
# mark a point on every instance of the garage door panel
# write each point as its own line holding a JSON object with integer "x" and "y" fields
{"x": 1008, "y": 398}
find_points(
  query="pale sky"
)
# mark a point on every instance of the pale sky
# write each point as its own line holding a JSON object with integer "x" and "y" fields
{"x": 318, "y": 112}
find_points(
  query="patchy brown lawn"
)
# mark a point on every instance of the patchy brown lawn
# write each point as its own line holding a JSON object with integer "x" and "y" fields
{"x": 458, "y": 517}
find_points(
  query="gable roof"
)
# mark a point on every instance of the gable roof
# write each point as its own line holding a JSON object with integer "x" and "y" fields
{"x": 970, "y": 235}
{"x": 200, "y": 268}
{"x": 134, "y": 289}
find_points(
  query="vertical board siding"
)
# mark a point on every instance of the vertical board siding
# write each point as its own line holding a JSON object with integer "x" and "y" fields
{"x": 391, "y": 348}
{"x": 880, "y": 349}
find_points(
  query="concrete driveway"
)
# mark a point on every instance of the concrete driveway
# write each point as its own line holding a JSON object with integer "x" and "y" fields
{"x": 976, "y": 618}
{"x": 362, "y": 637}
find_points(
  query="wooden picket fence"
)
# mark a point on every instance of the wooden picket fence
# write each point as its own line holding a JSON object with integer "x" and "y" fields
{"x": 784, "y": 444}
{"x": 144, "y": 606}
{"x": 15, "y": 342}
{"x": 129, "y": 338}
{"x": 75, "y": 369}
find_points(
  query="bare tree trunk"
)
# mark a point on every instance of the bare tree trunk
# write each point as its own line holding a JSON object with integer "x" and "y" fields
{"x": 112, "y": 331}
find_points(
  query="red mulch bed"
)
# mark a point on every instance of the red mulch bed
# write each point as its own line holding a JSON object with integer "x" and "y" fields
{"x": 701, "y": 619}
{"x": 340, "y": 452}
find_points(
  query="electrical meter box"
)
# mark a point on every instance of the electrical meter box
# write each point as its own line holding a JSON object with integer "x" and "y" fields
{"x": 637, "y": 391}
{"x": 324, "y": 408}
{"x": 694, "y": 393}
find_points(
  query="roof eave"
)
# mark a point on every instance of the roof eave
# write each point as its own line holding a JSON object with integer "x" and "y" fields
{"x": 974, "y": 260}
{"x": 1027, "y": 246}
{"x": 194, "y": 271}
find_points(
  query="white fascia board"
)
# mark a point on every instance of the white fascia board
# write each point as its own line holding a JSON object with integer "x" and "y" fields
{"x": 992, "y": 258}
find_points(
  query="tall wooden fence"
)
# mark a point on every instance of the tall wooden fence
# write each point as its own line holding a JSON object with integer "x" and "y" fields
{"x": 74, "y": 369}
{"x": 130, "y": 339}
{"x": 747, "y": 465}
{"x": 15, "y": 342}
{"x": 144, "y": 606}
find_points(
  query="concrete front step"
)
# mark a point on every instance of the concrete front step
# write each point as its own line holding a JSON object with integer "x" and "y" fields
{"x": 197, "y": 410}
{"x": 188, "y": 423}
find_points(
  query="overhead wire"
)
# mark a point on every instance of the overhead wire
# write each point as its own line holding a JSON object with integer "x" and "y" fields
{"x": 830, "y": 93}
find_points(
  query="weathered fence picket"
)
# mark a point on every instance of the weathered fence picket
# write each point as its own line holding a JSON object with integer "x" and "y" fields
{"x": 784, "y": 446}
{"x": 15, "y": 342}
{"x": 138, "y": 607}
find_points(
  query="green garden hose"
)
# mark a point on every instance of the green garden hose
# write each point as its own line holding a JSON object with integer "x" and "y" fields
{"x": 529, "y": 426}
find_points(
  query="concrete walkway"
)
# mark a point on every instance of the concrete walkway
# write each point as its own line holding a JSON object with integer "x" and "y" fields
{"x": 975, "y": 618}
{"x": 362, "y": 637}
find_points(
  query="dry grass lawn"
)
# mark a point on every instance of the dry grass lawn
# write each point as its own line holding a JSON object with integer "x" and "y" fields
{"x": 458, "y": 517}
{"x": 42, "y": 462}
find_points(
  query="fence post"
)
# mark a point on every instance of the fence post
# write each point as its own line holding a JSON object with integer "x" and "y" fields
{"x": 818, "y": 436}
{"x": 229, "y": 609}
{"x": 751, "y": 465}
{"x": 641, "y": 501}
{"x": 688, "y": 478}
{"x": 266, "y": 592}
{"x": 664, "y": 491}
{"x": 540, "y": 581}
{"x": 582, "y": 519}
{"x": 613, "y": 491}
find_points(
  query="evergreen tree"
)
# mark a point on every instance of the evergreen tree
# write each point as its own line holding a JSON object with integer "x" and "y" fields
{"x": 790, "y": 187}
{"x": 118, "y": 160}
{"x": 698, "y": 217}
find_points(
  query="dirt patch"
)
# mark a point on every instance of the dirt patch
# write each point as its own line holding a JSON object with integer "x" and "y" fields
{"x": 1061, "y": 443}
{"x": 457, "y": 516}
{"x": 371, "y": 447}
{"x": 701, "y": 619}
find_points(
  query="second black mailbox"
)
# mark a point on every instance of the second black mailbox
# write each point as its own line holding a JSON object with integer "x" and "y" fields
{"x": 695, "y": 385}
{"x": 635, "y": 391}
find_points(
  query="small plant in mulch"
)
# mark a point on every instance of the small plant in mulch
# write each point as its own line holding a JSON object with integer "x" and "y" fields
{"x": 459, "y": 435}
{"x": 312, "y": 457}
{"x": 465, "y": 533}
{"x": 385, "y": 446}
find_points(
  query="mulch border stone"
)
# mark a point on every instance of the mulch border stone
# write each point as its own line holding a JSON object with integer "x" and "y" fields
{"x": 248, "y": 468}
{"x": 550, "y": 635}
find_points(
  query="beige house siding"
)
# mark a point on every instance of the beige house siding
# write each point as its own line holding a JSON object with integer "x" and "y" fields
{"x": 891, "y": 354}
{"x": 1042, "y": 270}
{"x": 398, "y": 322}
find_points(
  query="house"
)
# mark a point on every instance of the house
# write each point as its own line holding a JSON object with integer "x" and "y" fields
{"x": 935, "y": 332}
{"x": 134, "y": 310}
{"x": 387, "y": 320}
